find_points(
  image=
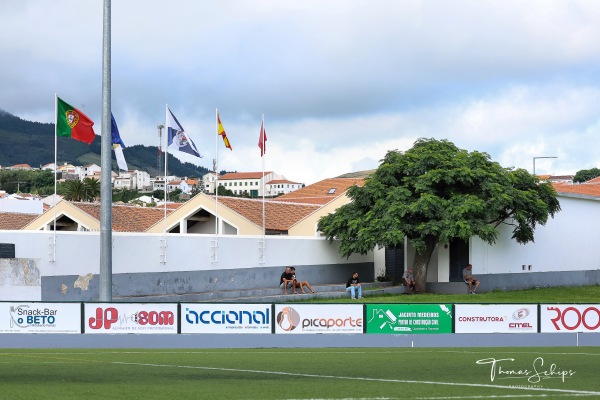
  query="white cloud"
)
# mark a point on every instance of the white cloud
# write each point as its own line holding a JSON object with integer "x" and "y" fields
{"x": 339, "y": 82}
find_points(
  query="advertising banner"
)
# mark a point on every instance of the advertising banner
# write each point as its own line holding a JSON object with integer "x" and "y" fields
{"x": 147, "y": 318}
{"x": 409, "y": 318}
{"x": 495, "y": 318}
{"x": 570, "y": 318}
{"x": 40, "y": 317}
{"x": 319, "y": 318}
{"x": 225, "y": 318}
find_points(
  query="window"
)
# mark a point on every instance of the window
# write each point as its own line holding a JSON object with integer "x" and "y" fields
{"x": 331, "y": 191}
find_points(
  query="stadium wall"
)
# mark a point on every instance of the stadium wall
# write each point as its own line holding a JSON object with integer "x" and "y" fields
{"x": 143, "y": 265}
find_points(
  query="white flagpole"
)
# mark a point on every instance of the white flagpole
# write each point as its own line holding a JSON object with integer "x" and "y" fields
{"x": 55, "y": 171}
{"x": 263, "y": 172}
{"x": 165, "y": 179}
{"x": 216, "y": 174}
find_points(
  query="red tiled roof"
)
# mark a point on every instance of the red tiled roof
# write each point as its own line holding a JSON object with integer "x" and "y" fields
{"x": 583, "y": 189}
{"x": 15, "y": 221}
{"x": 243, "y": 175}
{"x": 318, "y": 193}
{"x": 279, "y": 216}
{"x": 127, "y": 218}
{"x": 594, "y": 181}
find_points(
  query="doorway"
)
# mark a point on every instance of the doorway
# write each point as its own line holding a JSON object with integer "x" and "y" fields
{"x": 459, "y": 258}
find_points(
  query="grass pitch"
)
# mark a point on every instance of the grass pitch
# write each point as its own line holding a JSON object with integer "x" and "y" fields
{"x": 396, "y": 373}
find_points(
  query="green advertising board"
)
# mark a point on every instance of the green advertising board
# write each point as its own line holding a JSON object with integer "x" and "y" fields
{"x": 409, "y": 318}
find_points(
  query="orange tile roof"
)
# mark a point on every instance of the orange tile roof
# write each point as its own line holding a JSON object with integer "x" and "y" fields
{"x": 243, "y": 175}
{"x": 15, "y": 221}
{"x": 594, "y": 181}
{"x": 127, "y": 218}
{"x": 583, "y": 189}
{"x": 279, "y": 216}
{"x": 318, "y": 193}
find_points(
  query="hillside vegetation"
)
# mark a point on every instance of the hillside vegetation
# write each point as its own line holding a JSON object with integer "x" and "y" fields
{"x": 26, "y": 142}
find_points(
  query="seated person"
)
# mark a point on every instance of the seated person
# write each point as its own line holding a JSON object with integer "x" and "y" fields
{"x": 353, "y": 286}
{"x": 470, "y": 279}
{"x": 287, "y": 280}
{"x": 409, "y": 281}
{"x": 300, "y": 284}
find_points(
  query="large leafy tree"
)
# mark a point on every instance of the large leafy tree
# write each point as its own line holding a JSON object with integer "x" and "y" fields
{"x": 435, "y": 192}
{"x": 586, "y": 174}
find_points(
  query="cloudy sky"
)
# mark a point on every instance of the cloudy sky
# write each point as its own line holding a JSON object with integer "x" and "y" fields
{"x": 339, "y": 82}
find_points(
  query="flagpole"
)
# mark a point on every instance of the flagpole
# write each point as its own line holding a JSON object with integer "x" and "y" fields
{"x": 165, "y": 181}
{"x": 55, "y": 171}
{"x": 263, "y": 173}
{"x": 216, "y": 175}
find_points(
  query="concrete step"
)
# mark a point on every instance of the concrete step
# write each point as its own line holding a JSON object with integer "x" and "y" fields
{"x": 267, "y": 295}
{"x": 340, "y": 294}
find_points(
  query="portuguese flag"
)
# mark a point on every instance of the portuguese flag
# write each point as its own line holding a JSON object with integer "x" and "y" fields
{"x": 71, "y": 122}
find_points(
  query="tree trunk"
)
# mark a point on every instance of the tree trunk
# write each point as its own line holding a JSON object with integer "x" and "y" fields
{"x": 421, "y": 263}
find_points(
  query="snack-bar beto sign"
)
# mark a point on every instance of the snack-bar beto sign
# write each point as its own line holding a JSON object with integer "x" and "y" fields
{"x": 570, "y": 317}
{"x": 495, "y": 318}
{"x": 148, "y": 318}
{"x": 40, "y": 317}
{"x": 322, "y": 318}
{"x": 225, "y": 318}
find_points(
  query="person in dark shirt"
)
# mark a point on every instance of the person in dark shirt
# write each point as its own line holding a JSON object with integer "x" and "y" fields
{"x": 287, "y": 280}
{"x": 353, "y": 286}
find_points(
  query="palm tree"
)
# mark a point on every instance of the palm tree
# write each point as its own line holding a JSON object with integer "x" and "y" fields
{"x": 91, "y": 189}
{"x": 75, "y": 190}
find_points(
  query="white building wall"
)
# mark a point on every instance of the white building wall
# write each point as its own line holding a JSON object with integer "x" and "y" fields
{"x": 567, "y": 243}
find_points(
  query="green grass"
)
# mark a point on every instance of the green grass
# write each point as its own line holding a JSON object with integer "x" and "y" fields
{"x": 396, "y": 373}
{"x": 572, "y": 294}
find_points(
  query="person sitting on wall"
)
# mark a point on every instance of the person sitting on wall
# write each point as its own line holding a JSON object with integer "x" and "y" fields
{"x": 287, "y": 280}
{"x": 470, "y": 279}
{"x": 409, "y": 282}
{"x": 353, "y": 286}
{"x": 300, "y": 284}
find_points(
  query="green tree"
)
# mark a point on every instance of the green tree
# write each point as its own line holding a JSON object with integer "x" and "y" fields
{"x": 91, "y": 189}
{"x": 435, "y": 192}
{"x": 158, "y": 194}
{"x": 586, "y": 174}
{"x": 74, "y": 190}
{"x": 223, "y": 191}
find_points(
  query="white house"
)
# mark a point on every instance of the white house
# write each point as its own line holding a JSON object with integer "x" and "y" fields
{"x": 281, "y": 186}
{"x": 208, "y": 182}
{"x": 251, "y": 183}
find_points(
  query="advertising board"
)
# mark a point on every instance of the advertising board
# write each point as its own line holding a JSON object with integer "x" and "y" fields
{"x": 146, "y": 318}
{"x": 318, "y": 318}
{"x": 225, "y": 318}
{"x": 409, "y": 318}
{"x": 40, "y": 317}
{"x": 570, "y": 318}
{"x": 495, "y": 318}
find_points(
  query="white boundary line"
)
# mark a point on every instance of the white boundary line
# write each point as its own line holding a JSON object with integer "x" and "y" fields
{"x": 352, "y": 378}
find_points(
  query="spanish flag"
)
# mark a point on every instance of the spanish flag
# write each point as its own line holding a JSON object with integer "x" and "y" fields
{"x": 222, "y": 133}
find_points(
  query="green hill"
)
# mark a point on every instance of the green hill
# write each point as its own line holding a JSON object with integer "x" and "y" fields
{"x": 26, "y": 142}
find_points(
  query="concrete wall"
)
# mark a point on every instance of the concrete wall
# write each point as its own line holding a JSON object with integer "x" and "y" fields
{"x": 142, "y": 264}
